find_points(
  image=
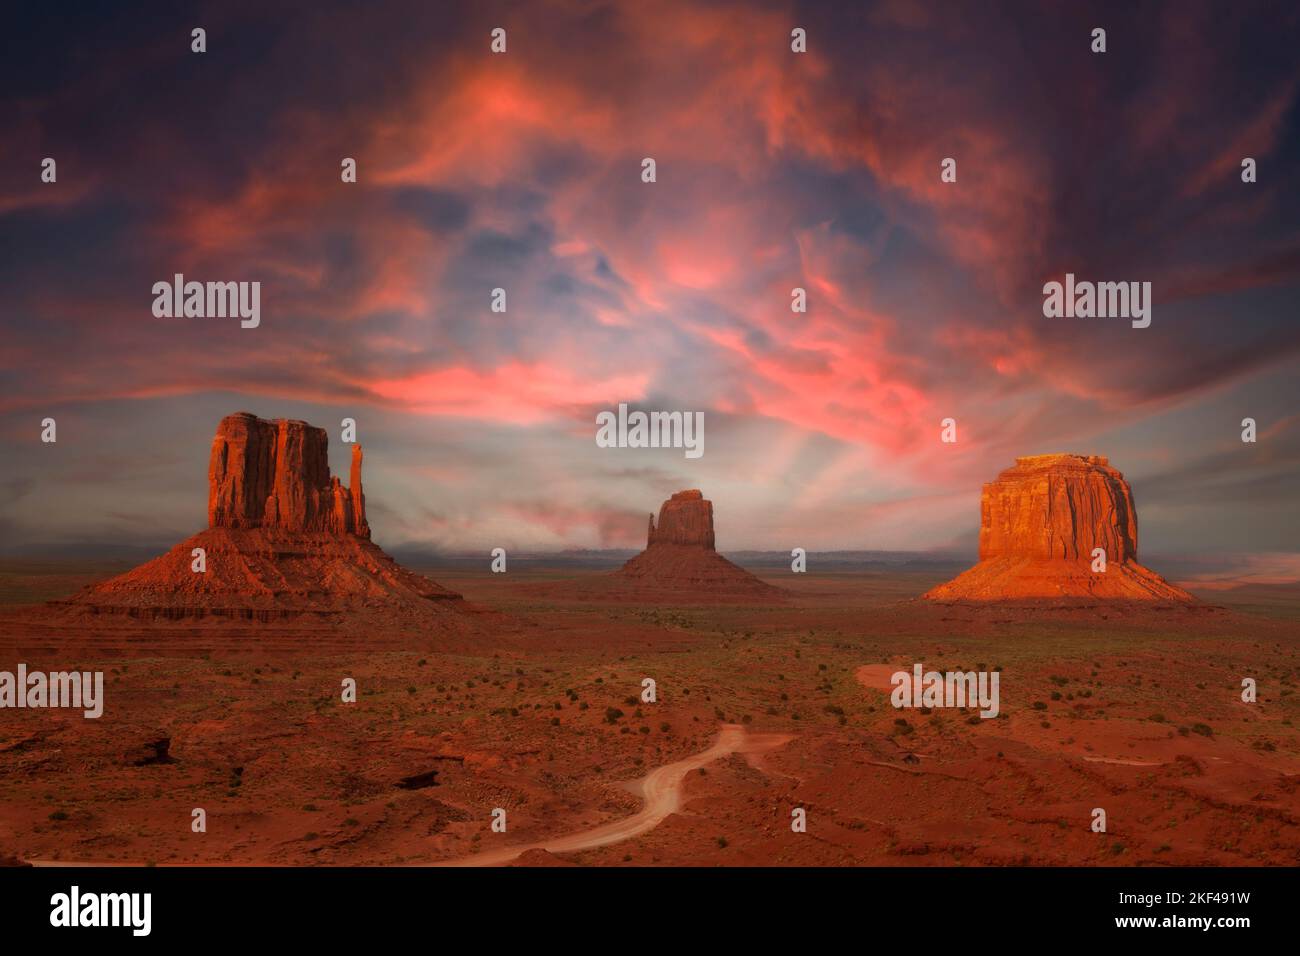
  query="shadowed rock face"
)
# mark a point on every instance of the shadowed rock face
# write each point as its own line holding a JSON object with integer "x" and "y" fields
{"x": 1040, "y": 522}
{"x": 275, "y": 474}
{"x": 684, "y": 519}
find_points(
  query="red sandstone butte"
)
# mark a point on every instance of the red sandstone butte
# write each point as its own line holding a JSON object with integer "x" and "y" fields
{"x": 684, "y": 519}
{"x": 276, "y": 474}
{"x": 680, "y": 555}
{"x": 1039, "y": 523}
{"x": 284, "y": 539}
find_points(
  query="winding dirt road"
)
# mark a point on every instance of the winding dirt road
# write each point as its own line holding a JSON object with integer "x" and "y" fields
{"x": 661, "y": 789}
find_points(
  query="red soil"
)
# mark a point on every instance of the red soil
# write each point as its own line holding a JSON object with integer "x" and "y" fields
{"x": 539, "y": 713}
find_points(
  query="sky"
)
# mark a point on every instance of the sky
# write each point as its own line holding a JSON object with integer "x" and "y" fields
{"x": 774, "y": 170}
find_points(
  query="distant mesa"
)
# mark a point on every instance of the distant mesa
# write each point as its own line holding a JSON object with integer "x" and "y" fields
{"x": 1040, "y": 522}
{"x": 679, "y": 553}
{"x": 284, "y": 539}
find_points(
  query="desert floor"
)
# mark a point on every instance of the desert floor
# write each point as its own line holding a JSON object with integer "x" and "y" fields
{"x": 534, "y": 709}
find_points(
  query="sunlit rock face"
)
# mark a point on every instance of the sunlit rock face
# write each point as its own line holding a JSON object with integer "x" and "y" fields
{"x": 1041, "y": 522}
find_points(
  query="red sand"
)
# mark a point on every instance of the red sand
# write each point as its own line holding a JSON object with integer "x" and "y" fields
{"x": 536, "y": 708}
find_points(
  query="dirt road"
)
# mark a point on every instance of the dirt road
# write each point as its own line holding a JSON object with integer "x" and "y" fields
{"x": 661, "y": 789}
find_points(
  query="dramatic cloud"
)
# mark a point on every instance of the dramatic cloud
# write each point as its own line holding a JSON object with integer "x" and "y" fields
{"x": 775, "y": 171}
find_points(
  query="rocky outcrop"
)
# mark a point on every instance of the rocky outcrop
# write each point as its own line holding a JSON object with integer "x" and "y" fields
{"x": 275, "y": 474}
{"x": 1041, "y": 522}
{"x": 680, "y": 558}
{"x": 264, "y": 574}
{"x": 1058, "y": 507}
{"x": 684, "y": 519}
{"x": 285, "y": 540}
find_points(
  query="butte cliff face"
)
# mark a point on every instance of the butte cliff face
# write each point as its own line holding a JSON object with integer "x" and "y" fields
{"x": 1040, "y": 523}
{"x": 275, "y": 474}
{"x": 685, "y": 519}
{"x": 284, "y": 539}
{"x": 680, "y": 555}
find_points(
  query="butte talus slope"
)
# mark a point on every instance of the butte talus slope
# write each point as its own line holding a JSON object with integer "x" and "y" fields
{"x": 284, "y": 539}
{"x": 1039, "y": 524}
{"x": 680, "y": 556}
